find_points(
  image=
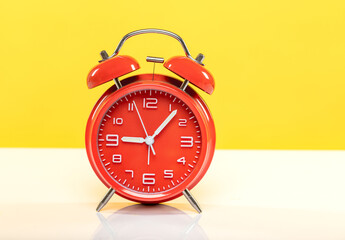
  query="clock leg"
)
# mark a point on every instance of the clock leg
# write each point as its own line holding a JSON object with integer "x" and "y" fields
{"x": 105, "y": 199}
{"x": 192, "y": 200}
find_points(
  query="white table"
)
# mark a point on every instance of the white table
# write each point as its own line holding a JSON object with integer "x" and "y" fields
{"x": 52, "y": 194}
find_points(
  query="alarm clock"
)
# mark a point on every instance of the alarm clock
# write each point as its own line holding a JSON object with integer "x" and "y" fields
{"x": 150, "y": 138}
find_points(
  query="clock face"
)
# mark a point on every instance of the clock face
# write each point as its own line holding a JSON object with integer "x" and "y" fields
{"x": 149, "y": 141}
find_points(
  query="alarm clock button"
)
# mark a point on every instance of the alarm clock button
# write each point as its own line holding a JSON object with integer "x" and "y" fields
{"x": 111, "y": 68}
{"x": 154, "y": 59}
{"x": 191, "y": 71}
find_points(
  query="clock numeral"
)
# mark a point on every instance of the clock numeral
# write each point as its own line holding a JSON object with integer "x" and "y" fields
{"x": 113, "y": 140}
{"x": 186, "y": 141}
{"x": 117, "y": 158}
{"x": 131, "y": 172}
{"x": 150, "y": 103}
{"x": 182, "y": 160}
{"x": 168, "y": 173}
{"x": 117, "y": 121}
{"x": 182, "y": 122}
{"x": 130, "y": 107}
{"x": 149, "y": 178}
{"x": 169, "y": 107}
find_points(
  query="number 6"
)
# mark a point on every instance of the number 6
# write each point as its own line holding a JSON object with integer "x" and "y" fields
{"x": 148, "y": 178}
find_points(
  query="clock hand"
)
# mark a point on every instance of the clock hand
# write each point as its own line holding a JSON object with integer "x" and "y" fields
{"x": 133, "y": 139}
{"x": 148, "y": 155}
{"x": 135, "y": 105}
{"x": 164, "y": 123}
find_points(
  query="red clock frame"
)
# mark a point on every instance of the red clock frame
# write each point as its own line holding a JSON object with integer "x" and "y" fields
{"x": 163, "y": 83}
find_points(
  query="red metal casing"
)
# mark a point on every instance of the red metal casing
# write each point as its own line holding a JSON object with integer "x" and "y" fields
{"x": 170, "y": 85}
{"x": 112, "y": 68}
{"x": 191, "y": 71}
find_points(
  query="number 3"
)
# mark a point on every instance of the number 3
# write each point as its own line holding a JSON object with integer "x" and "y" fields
{"x": 186, "y": 141}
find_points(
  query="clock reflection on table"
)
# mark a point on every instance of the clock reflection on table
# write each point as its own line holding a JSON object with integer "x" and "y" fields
{"x": 149, "y": 222}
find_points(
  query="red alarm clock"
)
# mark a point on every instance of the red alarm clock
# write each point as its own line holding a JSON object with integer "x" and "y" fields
{"x": 150, "y": 138}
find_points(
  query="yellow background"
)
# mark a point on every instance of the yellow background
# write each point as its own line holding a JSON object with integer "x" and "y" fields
{"x": 279, "y": 66}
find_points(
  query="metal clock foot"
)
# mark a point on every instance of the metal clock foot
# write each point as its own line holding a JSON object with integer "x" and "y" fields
{"x": 105, "y": 199}
{"x": 192, "y": 200}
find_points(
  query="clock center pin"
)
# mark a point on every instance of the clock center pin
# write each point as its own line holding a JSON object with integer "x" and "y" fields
{"x": 149, "y": 140}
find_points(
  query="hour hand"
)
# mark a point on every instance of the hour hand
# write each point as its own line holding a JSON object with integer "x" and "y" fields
{"x": 133, "y": 139}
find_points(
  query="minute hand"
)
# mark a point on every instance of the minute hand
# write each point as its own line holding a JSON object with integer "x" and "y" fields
{"x": 166, "y": 121}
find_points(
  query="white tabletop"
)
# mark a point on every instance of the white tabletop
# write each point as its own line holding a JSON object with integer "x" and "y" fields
{"x": 52, "y": 194}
